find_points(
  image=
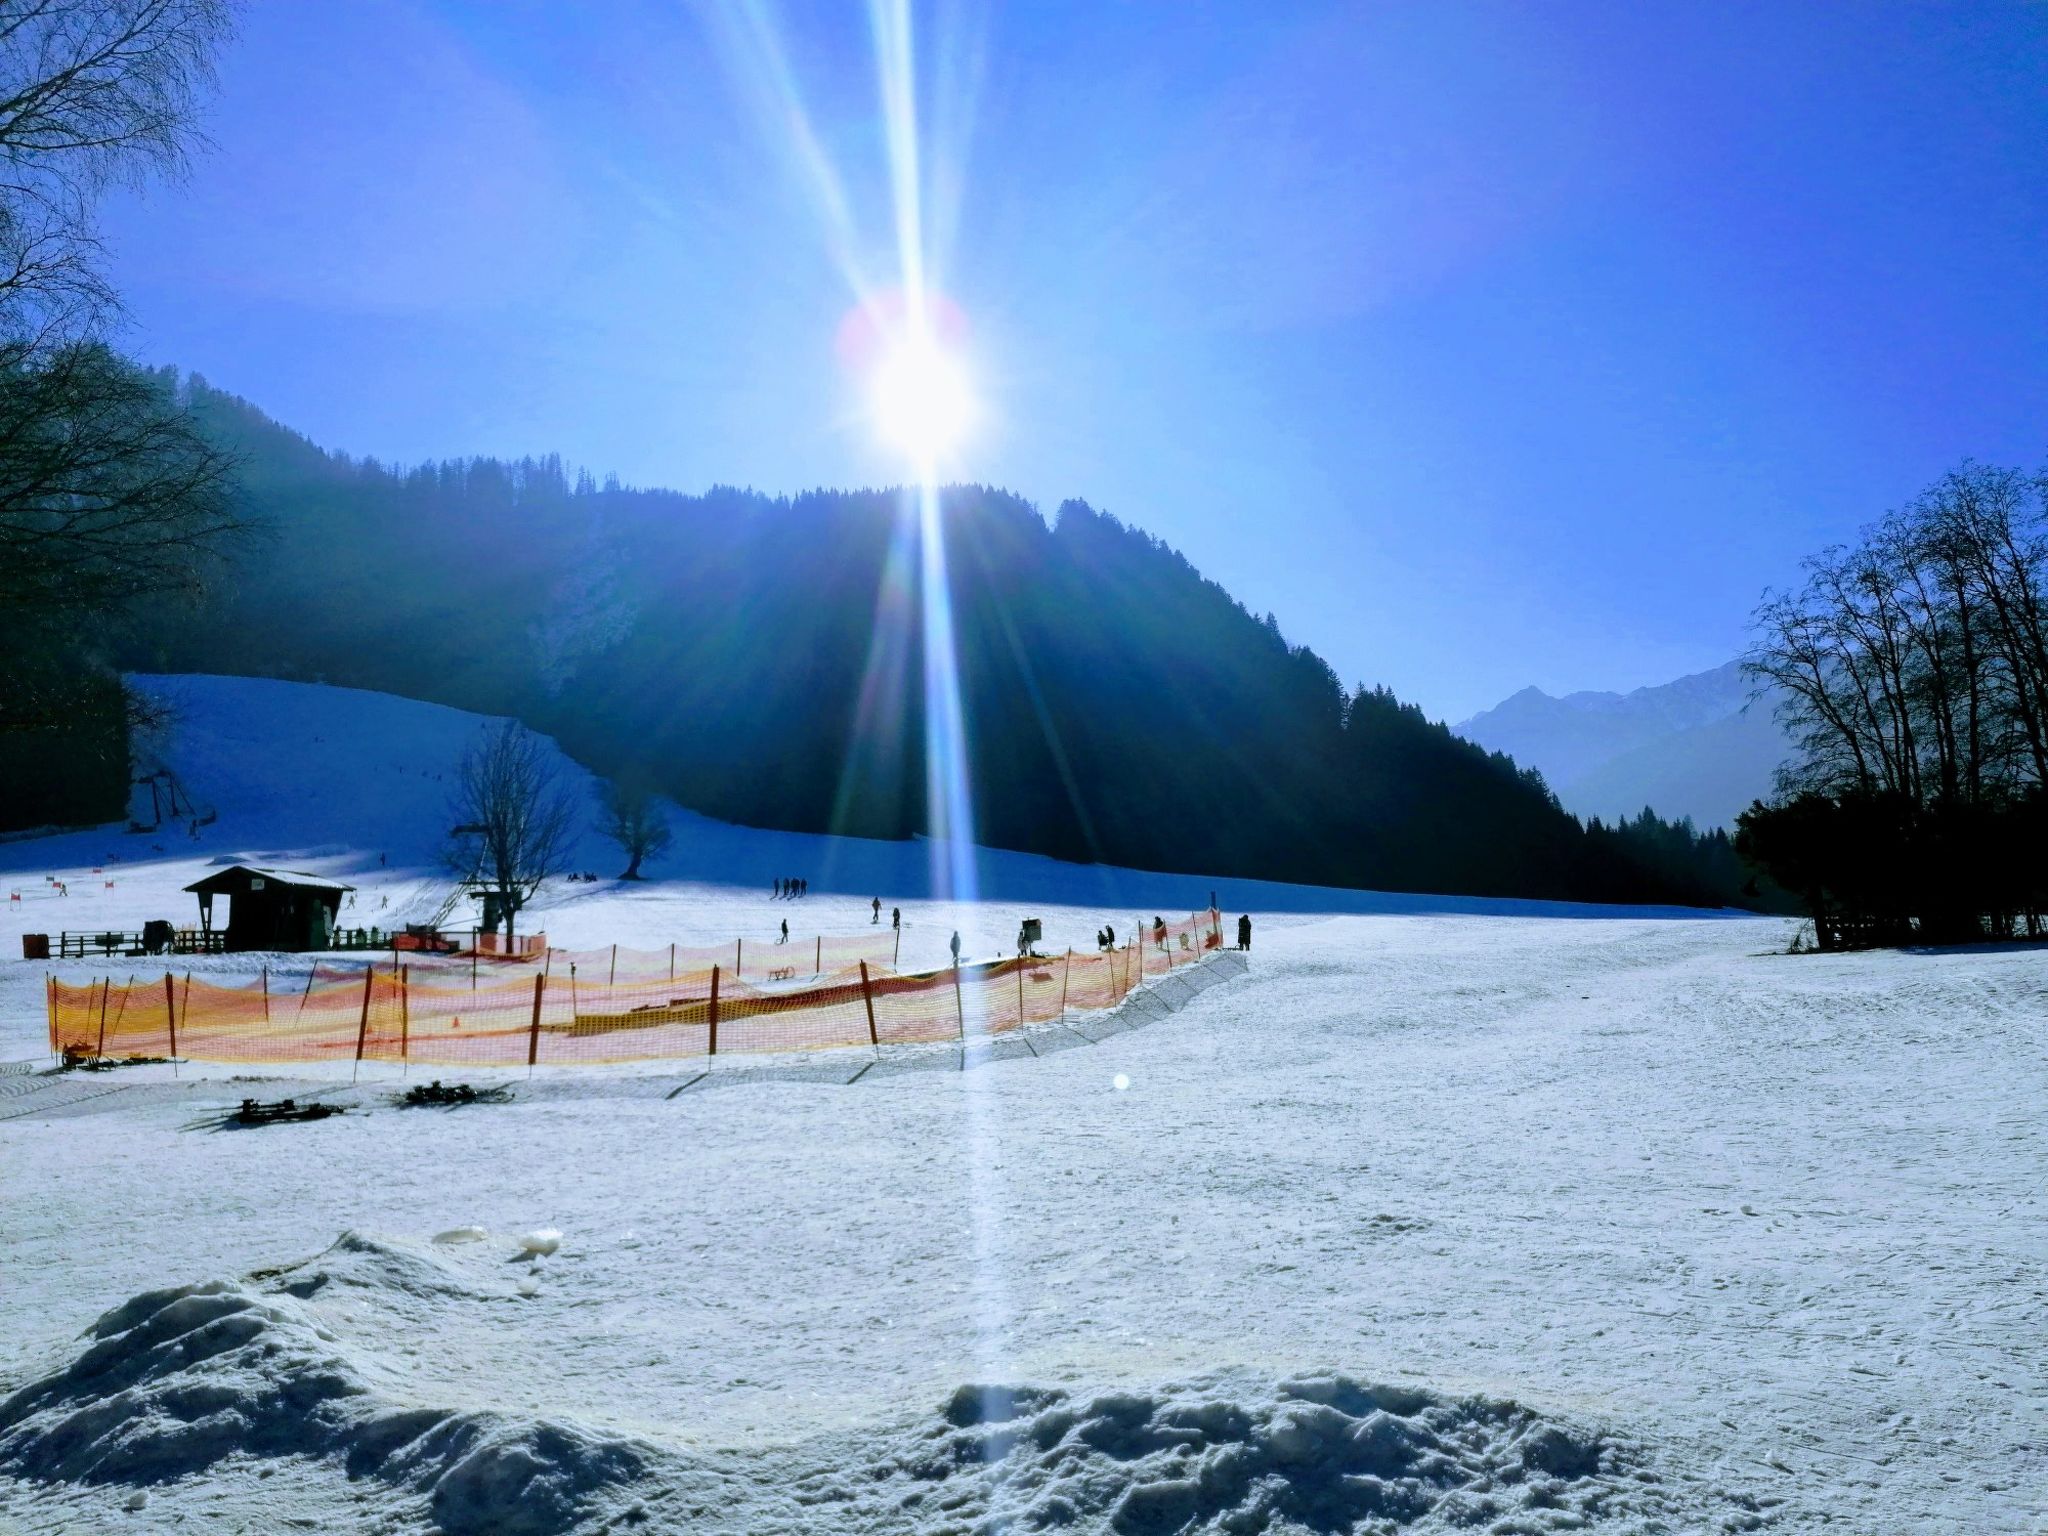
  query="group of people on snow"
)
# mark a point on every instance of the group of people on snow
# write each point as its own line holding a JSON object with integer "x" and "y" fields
{"x": 1105, "y": 938}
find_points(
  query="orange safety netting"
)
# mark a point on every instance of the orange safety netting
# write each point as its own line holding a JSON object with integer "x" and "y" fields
{"x": 411, "y": 1010}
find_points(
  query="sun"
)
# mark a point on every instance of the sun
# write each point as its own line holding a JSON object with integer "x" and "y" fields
{"x": 922, "y": 399}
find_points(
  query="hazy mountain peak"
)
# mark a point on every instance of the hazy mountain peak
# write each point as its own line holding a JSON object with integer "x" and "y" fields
{"x": 1690, "y": 747}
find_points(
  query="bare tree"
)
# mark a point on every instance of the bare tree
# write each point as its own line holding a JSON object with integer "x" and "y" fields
{"x": 1916, "y": 662}
{"x": 93, "y": 93}
{"x": 632, "y": 817}
{"x": 512, "y": 818}
{"x": 107, "y": 490}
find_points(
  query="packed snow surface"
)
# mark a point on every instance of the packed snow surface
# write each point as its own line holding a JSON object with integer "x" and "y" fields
{"x": 1439, "y": 1217}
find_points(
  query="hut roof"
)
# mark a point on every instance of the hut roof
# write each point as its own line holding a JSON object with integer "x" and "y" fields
{"x": 236, "y": 877}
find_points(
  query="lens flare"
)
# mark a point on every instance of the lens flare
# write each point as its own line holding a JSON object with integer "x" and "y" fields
{"x": 902, "y": 342}
{"x": 923, "y": 402}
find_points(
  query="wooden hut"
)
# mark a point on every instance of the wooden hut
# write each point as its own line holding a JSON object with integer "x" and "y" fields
{"x": 271, "y": 908}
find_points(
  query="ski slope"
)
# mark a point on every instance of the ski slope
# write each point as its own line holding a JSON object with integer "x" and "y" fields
{"x": 1444, "y": 1217}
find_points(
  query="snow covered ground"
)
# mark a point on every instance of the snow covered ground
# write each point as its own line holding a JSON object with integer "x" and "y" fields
{"x": 1437, "y": 1219}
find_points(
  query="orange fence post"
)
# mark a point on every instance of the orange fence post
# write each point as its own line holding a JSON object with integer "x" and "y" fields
{"x": 711, "y": 1014}
{"x": 101, "y": 1051}
{"x": 959, "y": 1012}
{"x": 404, "y": 1014}
{"x": 50, "y": 1003}
{"x": 1066, "y": 981}
{"x": 868, "y": 997}
{"x": 266, "y": 992}
{"x": 363, "y": 1029}
{"x": 533, "y": 1036}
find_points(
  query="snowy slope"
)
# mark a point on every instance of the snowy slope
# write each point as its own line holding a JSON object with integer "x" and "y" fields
{"x": 1695, "y": 747}
{"x": 332, "y": 780}
{"x": 1430, "y": 1224}
{"x": 1438, "y": 1219}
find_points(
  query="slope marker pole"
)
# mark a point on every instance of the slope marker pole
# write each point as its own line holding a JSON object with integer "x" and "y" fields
{"x": 867, "y": 996}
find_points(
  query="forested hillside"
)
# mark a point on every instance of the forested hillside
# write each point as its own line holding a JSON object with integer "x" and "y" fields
{"x": 759, "y": 659}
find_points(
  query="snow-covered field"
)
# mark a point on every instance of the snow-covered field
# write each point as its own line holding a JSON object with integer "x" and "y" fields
{"x": 1442, "y": 1217}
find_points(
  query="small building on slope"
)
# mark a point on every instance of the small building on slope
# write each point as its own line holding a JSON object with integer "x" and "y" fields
{"x": 283, "y": 909}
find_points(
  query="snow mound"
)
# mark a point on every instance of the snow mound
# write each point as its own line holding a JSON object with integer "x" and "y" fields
{"x": 179, "y": 1388}
{"x": 174, "y": 1382}
{"x": 1234, "y": 1454}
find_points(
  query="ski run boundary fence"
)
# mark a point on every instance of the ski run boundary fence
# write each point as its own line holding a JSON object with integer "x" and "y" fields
{"x": 613, "y": 1005}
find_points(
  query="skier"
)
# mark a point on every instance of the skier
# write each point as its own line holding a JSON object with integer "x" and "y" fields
{"x": 1244, "y": 931}
{"x": 877, "y": 905}
{"x": 785, "y": 932}
{"x": 956, "y": 951}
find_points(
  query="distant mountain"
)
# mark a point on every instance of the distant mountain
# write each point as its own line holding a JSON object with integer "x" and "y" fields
{"x": 760, "y": 660}
{"x": 1695, "y": 748}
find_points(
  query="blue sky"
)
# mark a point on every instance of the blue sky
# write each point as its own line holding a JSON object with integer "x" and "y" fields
{"x": 1485, "y": 345}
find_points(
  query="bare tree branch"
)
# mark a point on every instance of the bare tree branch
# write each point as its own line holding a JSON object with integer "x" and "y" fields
{"x": 512, "y": 817}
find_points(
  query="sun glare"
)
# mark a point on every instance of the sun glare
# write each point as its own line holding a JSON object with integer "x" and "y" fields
{"x": 923, "y": 404}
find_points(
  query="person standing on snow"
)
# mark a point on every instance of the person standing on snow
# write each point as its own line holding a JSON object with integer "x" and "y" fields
{"x": 1244, "y": 932}
{"x": 956, "y": 950}
{"x": 877, "y": 905}
{"x": 785, "y": 932}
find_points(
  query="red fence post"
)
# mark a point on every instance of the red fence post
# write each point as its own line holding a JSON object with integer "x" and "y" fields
{"x": 363, "y": 1028}
{"x": 540, "y": 983}
{"x": 868, "y": 997}
{"x": 711, "y": 1015}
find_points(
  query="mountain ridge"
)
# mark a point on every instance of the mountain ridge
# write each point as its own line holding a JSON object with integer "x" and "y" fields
{"x": 1699, "y": 747}
{"x": 760, "y": 660}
